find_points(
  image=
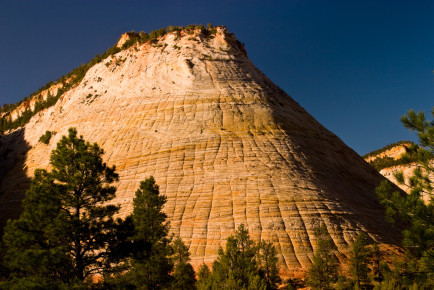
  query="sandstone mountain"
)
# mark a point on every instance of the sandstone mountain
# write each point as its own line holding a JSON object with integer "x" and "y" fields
{"x": 225, "y": 145}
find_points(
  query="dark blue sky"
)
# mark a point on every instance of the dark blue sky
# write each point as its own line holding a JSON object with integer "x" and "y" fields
{"x": 355, "y": 65}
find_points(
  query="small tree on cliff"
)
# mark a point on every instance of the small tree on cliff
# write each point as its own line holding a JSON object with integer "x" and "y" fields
{"x": 65, "y": 228}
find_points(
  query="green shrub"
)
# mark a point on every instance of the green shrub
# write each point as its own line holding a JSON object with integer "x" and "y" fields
{"x": 45, "y": 138}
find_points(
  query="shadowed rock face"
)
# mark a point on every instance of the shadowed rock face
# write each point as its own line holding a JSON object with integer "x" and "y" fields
{"x": 225, "y": 144}
{"x": 13, "y": 175}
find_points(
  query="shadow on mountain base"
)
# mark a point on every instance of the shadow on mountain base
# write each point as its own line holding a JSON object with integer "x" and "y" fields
{"x": 13, "y": 178}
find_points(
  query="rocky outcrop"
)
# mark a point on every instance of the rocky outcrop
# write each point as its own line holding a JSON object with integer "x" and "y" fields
{"x": 407, "y": 171}
{"x": 225, "y": 145}
{"x": 31, "y": 102}
{"x": 124, "y": 38}
{"x": 395, "y": 152}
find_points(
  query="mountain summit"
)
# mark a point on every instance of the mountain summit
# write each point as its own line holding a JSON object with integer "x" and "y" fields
{"x": 225, "y": 144}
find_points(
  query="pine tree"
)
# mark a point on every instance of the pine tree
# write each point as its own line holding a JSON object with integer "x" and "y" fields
{"x": 415, "y": 210}
{"x": 4, "y": 271}
{"x": 420, "y": 183}
{"x": 244, "y": 255}
{"x": 65, "y": 227}
{"x": 267, "y": 257}
{"x": 239, "y": 257}
{"x": 359, "y": 259}
{"x": 35, "y": 249}
{"x": 183, "y": 274}
{"x": 151, "y": 263}
{"x": 236, "y": 267}
{"x": 324, "y": 269}
{"x": 205, "y": 278}
{"x": 376, "y": 261}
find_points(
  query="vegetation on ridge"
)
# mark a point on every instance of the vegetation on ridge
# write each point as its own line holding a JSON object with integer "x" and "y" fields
{"x": 76, "y": 75}
{"x": 46, "y": 137}
{"x": 387, "y": 147}
{"x": 409, "y": 157}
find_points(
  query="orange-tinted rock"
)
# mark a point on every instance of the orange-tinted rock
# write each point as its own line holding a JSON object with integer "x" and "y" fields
{"x": 225, "y": 144}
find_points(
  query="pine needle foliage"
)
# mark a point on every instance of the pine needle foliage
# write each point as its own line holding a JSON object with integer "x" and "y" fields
{"x": 415, "y": 210}
{"x": 360, "y": 260}
{"x": 150, "y": 260}
{"x": 324, "y": 271}
{"x": 183, "y": 274}
{"x": 63, "y": 233}
{"x": 243, "y": 264}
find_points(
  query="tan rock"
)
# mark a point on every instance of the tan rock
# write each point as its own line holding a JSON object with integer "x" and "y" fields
{"x": 407, "y": 171}
{"x": 395, "y": 152}
{"x": 31, "y": 102}
{"x": 225, "y": 145}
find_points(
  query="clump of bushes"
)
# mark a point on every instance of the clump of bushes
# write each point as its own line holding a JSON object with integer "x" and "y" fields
{"x": 45, "y": 138}
{"x": 142, "y": 37}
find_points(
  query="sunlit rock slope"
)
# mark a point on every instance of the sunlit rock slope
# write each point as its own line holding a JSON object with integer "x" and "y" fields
{"x": 225, "y": 144}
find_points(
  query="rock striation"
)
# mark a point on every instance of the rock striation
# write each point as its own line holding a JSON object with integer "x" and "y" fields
{"x": 225, "y": 145}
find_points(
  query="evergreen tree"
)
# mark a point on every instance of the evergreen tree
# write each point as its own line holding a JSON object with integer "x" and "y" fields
{"x": 359, "y": 259}
{"x": 376, "y": 261}
{"x": 415, "y": 210}
{"x": 239, "y": 257}
{"x": 205, "y": 278}
{"x": 150, "y": 260}
{"x": 183, "y": 274}
{"x": 64, "y": 230}
{"x": 420, "y": 183}
{"x": 237, "y": 267}
{"x": 4, "y": 271}
{"x": 268, "y": 260}
{"x": 324, "y": 269}
{"x": 35, "y": 250}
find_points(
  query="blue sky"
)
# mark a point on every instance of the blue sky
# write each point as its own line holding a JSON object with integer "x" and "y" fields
{"x": 356, "y": 66}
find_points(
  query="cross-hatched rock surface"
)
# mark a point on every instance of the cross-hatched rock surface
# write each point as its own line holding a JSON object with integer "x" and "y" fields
{"x": 225, "y": 145}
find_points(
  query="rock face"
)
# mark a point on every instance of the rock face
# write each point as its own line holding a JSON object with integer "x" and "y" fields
{"x": 225, "y": 144}
{"x": 31, "y": 102}
{"x": 395, "y": 152}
